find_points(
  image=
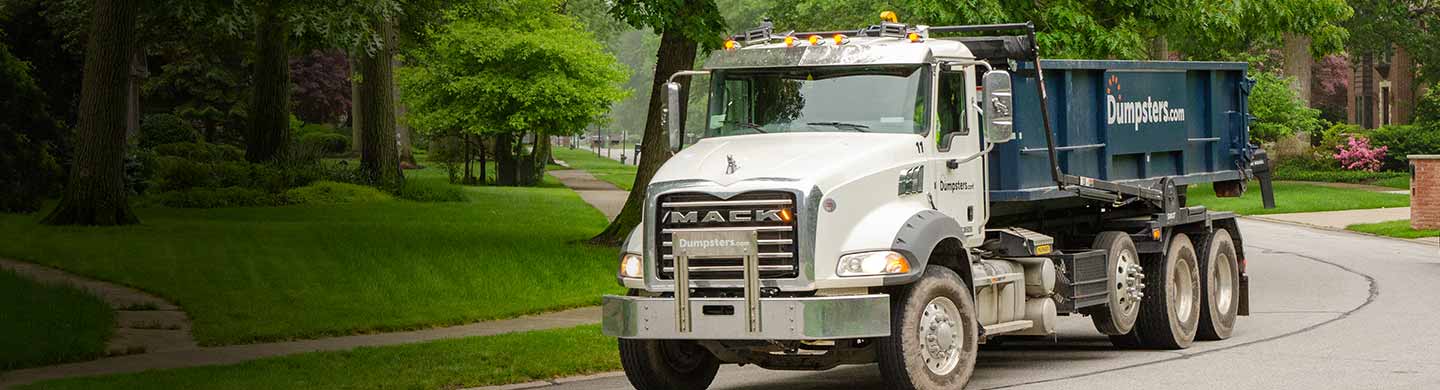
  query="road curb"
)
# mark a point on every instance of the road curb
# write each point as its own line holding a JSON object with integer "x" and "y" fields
{"x": 552, "y": 382}
{"x": 1331, "y": 229}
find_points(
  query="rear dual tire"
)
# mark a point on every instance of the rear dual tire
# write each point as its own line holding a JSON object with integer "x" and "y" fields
{"x": 1170, "y": 312}
{"x": 1220, "y": 280}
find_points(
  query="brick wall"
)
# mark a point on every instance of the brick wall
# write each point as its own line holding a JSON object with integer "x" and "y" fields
{"x": 1425, "y": 192}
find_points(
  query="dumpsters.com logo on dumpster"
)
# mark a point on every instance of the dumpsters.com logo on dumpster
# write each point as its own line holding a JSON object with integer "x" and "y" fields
{"x": 1118, "y": 111}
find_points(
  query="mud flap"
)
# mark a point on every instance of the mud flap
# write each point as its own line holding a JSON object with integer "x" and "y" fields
{"x": 1244, "y": 308}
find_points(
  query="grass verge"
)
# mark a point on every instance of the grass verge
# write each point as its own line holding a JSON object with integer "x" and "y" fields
{"x": 1400, "y": 229}
{"x": 1296, "y": 198}
{"x": 448, "y": 364}
{"x": 602, "y": 168}
{"x": 43, "y": 324}
{"x": 266, "y": 274}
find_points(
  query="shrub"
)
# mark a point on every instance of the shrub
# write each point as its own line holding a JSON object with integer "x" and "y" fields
{"x": 1357, "y": 155}
{"x": 176, "y": 173}
{"x": 30, "y": 139}
{"x": 200, "y": 151}
{"x": 325, "y": 142}
{"x": 215, "y": 197}
{"x": 160, "y": 129}
{"x": 1278, "y": 112}
{"x": 329, "y": 192}
{"x": 431, "y": 191}
{"x": 1427, "y": 110}
{"x": 1309, "y": 161}
{"x": 1283, "y": 173}
{"x": 1405, "y": 140}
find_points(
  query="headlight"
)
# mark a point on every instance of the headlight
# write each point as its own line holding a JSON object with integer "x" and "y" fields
{"x": 872, "y": 263}
{"x": 632, "y": 266}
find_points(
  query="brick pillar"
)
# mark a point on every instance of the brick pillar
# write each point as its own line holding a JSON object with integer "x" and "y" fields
{"x": 1425, "y": 191}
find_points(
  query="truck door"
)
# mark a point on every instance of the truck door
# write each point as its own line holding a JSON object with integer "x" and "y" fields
{"x": 958, "y": 189}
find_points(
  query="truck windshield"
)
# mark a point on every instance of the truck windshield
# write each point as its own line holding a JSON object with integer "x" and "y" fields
{"x": 886, "y": 99}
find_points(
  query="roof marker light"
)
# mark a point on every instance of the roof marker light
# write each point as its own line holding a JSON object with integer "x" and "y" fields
{"x": 730, "y": 44}
{"x": 814, "y": 40}
{"x": 839, "y": 39}
{"x": 889, "y": 16}
{"x": 789, "y": 41}
{"x": 914, "y": 37}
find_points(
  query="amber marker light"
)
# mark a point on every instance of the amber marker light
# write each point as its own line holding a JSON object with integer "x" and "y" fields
{"x": 789, "y": 41}
{"x": 914, "y": 37}
{"x": 839, "y": 39}
{"x": 814, "y": 40}
{"x": 889, "y": 16}
{"x": 730, "y": 44}
{"x": 786, "y": 216}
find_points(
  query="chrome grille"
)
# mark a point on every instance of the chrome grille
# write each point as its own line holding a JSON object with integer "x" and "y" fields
{"x": 776, "y": 239}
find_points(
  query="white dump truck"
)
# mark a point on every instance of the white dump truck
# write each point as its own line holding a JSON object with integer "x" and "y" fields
{"x": 891, "y": 195}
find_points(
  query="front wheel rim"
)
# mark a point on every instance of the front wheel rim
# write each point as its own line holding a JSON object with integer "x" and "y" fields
{"x": 941, "y": 335}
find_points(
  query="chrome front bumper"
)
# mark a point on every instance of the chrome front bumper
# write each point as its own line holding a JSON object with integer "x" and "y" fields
{"x": 811, "y": 318}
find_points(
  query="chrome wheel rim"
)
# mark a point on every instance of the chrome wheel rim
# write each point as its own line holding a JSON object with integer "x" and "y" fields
{"x": 1224, "y": 284}
{"x": 1129, "y": 283}
{"x": 1183, "y": 286}
{"x": 941, "y": 336}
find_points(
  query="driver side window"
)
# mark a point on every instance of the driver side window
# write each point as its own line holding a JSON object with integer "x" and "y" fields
{"x": 951, "y": 108}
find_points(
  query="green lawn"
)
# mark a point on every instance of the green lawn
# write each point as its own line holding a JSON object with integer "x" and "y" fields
{"x": 34, "y": 333}
{"x": 448, "y": 364}
{"x": 602, "y": 168}
{"x": 1296, "y": 198}
{"x": 1399, "y": 229}
{"x": 1400, "y": 182}
{"x": 263, "y": 274}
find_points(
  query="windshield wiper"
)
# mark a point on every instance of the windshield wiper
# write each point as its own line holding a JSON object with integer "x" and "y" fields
{"x": 758, "y": 128}
{"x": 842, "y": 125}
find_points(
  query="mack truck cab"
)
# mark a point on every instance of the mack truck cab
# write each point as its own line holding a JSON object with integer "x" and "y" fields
{"x": 890, "y": 196}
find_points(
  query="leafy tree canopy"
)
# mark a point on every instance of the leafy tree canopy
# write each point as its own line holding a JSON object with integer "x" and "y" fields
{"x": 699, "y": 22}
{"x": 1379, "y": 25}
{"x": 547, "y": 79}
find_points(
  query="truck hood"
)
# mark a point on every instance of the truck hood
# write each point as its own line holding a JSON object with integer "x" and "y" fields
{"x": 823, "y": 157}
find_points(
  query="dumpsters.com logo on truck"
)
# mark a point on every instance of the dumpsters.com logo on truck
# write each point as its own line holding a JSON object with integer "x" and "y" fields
{"x": 1121, "y": 112}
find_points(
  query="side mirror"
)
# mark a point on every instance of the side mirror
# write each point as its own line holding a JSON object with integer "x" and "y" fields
{"x": 672, "y": 115}
{"x": 998, "y": 106}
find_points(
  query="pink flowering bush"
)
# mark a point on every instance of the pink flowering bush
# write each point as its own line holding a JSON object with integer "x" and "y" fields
{"x": 1356, "y": 154}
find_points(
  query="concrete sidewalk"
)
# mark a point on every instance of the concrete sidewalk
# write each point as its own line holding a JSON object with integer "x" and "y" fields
{"x": 604, "y": 196}
{"x": 1338, "y": 220}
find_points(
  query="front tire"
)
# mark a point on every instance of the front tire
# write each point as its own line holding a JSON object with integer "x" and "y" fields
{"x": 1170, "y": 311}
{"x": 934, "y": 335}
{"x": 1220, "y": 281}
{"x": 668, "y": 364}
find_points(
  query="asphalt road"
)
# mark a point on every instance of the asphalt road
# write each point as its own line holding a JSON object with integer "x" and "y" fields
{"x": 1329, "y": 310}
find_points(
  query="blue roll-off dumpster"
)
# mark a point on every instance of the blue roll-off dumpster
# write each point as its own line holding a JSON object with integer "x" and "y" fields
{"x": 1131, "y": 122}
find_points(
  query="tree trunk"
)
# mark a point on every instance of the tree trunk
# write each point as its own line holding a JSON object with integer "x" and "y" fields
{"x": 504, "y": 159}
{"x": 96, "y": 193}
{"x": 270, "y": 105}
{"x": 466, "y": 154}
{"x": 1402, "y": 86}
{"x": 676, "y": 53}
{"x": 379, "y": 159}
{"x": 1299, "y": 64}
{"x": 402, "y": 131}
{"x": 483, "y": 174}
{"x": 1159, "y": 48}
{"x": 137, "y": 79}
{"x": 356, "y": 136}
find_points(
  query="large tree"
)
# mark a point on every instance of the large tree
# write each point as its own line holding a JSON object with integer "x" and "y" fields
{"x": 1404, "y": 32}
{"x": 379, "y": 156}
{"x": 96, "y": 193}
{"x": 502, "y": 82}
{"x": 684, "y": 27}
